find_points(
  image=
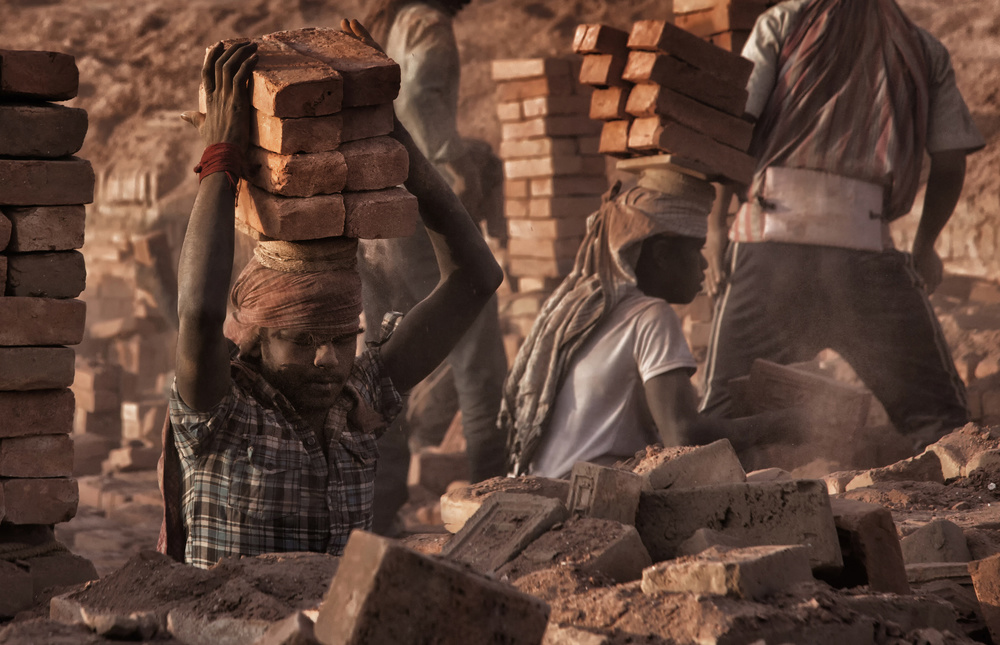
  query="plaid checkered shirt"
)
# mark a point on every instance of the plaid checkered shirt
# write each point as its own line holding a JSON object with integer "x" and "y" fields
{"x": 255, "y": 478}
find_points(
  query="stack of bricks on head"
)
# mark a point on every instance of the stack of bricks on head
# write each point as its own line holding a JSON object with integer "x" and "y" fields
{"x": 553, "y": 173}
{"x": 320, "y": 163}
{"x": 666, "y": 92}
{"x": 42, "y": 191}
{"x": 724, "y": 23}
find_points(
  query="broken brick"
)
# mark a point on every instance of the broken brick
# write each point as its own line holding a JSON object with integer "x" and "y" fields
{"x": 604, "y": 493}
{"x": 501, "y": 528}
{"x": 655, "y": 134}
{"x": 45, "y": 228}
{"x": 650, "y": 99}
{"x": 297, "y": 175}
{"x": 675, "y": 74}
{"x": 292, "y": 136}
{"x": 62, "y": 274}
{"x": 41, "y": 130}
{"x": 870, "y": 547}
{"x": 46, "y": 182}
{"x": 936, "y": 541}
{"x": 375, "y": 214}
{"x": 516, "y": 69}
{"x": 661, "y": 36}
{"x": 375, "y": 163}
{"x": 35, "y": 413}
{"x": 49, "y": 76}
{"x": 689, "y": 466}
{"x": 451, "y": 604}
{"x": 48, "y": 455}
{"x": 290, "y": 218}
{"x": 41, "y": 321}
{"x": 609, "y": 104}
{"x": 751, "y": 573}
{"x": 39, "y": 501}
{"x": 768, "y": 513}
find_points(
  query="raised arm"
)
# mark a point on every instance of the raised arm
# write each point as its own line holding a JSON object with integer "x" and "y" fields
{"x": 207, "y": 254}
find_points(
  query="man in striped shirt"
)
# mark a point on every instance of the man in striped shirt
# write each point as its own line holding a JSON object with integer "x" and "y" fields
{"x": 848, "y": 96}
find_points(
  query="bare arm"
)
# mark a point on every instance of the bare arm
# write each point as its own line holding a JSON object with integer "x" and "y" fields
{"x": 717, "y": 239}
{"x": 207, "y": 254}
{"x": 673, "y": 404}
{"x": 944, "y": 186}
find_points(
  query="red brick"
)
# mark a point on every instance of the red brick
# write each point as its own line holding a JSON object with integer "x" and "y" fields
{"x": 290, "y": 218}
{"x": 515, "y": 188}
{"x": 516, "y": 69}
{"x": 564, "y": 206}
{"x": 510, "y": 111}
{"x": 44, "y": 228}
{"x": 367, "y": 121}
{"x": 143, "y": 420}
{"x": 49, "y": 182}
{"x": 515, "y": 208}
{"x": 49, "y": 455}
{"x": 553, "y": 166}
{"x": 35, "y": 368}
{"x": 724, "y": 16}
{"x": 62, "y": 274}
{"x": 870, "y": 547}
{"x": 675, "y": 74}
{"x": 550, "y": 229}
{"x": 540, "y": 147}
{"x": 546, "y": 86}
{"x": 594, "y": 184}
{"x": 43, "y": 75}
{"x": 375, "y": 214}
{"x": 100, "y": 376}
{"x": 105, "y": 424}
{"x": 649, "y": 99}
{"x": 602, "y": 70}
{"x": 288, "y": 84}
{"x": 370, "y": 77}
{"x": 298, "y": 175}
{"x": 731, "y": 41}
{"x": 40, "y": 501}
{"x": 599, "y": 39}
{"x": 290, "y": 136}
{"x": 554, "y": 106}
{"x": 551, "y": 126}
{"x": 374, "y": 164}
{"x": 653, "y": 134}
{"x": 141, "y": 355}
{"x": 90, "y": 400}
{"x": 614, "y": 138}
{"x": 609, "y": 104}
{"x": 33, "y": 413}
{"x": 542, "y": 268}
{"x": 41, "y": 321}
{"x": 131, "y": 458}
{"x": 661, "y": 36}
{"x": 542, "y": 248}
{"x": 41, "y": 130}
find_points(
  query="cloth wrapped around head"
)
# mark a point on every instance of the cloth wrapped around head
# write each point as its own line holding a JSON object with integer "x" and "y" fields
{"x": 604, "y": 270}
{"x": 301, "y": 287}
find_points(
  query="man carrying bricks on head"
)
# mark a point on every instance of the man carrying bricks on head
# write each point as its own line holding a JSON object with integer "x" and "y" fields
{"x": 606, "y": 370}
{"x": 848, "y": 96}
{"x": 274, "y": 420}
{"x": 399, "y": 272}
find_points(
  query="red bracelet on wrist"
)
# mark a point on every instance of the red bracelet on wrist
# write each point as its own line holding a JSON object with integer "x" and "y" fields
{"x": 222, "y": 157}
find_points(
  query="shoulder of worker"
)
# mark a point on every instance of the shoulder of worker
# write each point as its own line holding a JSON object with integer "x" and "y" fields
{"x": 418, "y": 20}
{"x": 776, "y": 23}
{"x": 938, "y": 57}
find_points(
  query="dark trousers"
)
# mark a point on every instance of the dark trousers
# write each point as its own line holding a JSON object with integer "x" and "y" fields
{"x": 396, "y": 274}
{"x": 787, "y": 302}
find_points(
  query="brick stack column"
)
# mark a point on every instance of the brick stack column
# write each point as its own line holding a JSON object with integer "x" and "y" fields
{"x": 554, "y": 176}
{"x": 42, "y": 189}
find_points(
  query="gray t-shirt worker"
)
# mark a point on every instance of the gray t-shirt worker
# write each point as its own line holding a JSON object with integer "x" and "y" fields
{"x": 849, "y": 97}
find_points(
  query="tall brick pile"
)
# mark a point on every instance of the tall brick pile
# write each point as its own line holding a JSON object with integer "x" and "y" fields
{"x": 554, "y": 175}
{"x": 686, "y": 98}
{"x": 320, "y": 164}
{"x": 42, "y": 191}
{"x": 724, "y": 23}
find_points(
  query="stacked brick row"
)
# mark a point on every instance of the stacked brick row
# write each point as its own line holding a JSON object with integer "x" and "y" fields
{"x": 724, "y": 23}
{"x": 554, "y": 175}
{"x": 320, "y": 164}
{"x": 686, "y": 98}
{"x": 42, "y": 191}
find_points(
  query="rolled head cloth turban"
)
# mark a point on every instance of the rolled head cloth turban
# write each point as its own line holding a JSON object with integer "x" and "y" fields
{"x": 309, "y": 287}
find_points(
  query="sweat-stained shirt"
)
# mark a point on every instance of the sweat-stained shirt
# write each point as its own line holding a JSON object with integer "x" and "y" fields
{"x": 600, "y": 414}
